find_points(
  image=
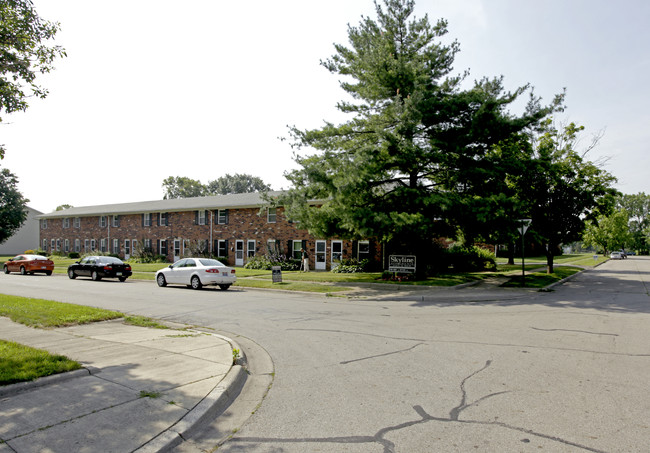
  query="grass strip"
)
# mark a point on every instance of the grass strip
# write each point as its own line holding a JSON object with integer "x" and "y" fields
{"x": 47, "y": 313}
{"x": 291, "y": 286}
{"x": 542, "y": 279}
{"x": 19, "y": 363}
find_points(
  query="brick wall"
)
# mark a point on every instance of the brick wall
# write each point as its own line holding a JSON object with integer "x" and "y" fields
{"x": 245, "y": 225}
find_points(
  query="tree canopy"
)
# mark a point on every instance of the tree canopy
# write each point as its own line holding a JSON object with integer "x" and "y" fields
{"x": 417, "y": 158}
{"x": 13, "y": 210}
{"x": 23, "y": 54}
{"x": 183, "y": 187}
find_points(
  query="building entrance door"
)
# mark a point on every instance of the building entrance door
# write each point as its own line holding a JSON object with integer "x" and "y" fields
{"x": 321, "y": 256}
{"x": 337, "y": 253}
{"x": 239, "y": 253}
{"x": 177, "y": 249}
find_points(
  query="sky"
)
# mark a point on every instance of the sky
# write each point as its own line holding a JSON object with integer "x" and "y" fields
{"x": 204, "y": 88}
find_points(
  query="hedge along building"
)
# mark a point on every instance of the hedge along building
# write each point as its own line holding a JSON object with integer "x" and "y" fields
{"x": 234, "y": 227}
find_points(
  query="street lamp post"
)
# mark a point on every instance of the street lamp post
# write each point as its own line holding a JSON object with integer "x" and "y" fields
{"x": 525, "y": 223}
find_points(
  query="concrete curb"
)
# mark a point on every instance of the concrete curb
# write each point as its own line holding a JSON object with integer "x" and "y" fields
{"x": 18, "y": 387}
{"x": 209, "y": 408}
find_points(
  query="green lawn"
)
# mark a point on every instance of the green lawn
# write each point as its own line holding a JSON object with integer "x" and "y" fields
{"x": 47, "y": 313}
{"x": 19, "y": 363}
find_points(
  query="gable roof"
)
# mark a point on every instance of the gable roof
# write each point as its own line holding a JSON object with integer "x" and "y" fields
{"x": 232, "y": 201}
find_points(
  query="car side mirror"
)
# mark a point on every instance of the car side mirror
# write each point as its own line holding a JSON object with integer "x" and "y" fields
{"x": 10, "y": 259}
{"x": 171, "y": 266}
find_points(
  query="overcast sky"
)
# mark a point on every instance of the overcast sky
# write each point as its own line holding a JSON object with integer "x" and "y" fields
{"x": 201, "y": 88}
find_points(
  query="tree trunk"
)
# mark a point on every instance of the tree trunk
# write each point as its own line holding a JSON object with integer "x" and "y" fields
{"x": 511, "y": 254}
{"x": 549, "y": 259}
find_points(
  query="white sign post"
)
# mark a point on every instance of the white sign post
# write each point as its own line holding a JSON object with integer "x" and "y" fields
{"x": 525, "y": 223}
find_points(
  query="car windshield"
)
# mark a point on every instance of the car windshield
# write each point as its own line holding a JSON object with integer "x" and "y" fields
{"x": 209, "y": 262}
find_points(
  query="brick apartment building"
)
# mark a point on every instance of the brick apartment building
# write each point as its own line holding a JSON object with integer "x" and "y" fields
{"x": 235, "y": 227}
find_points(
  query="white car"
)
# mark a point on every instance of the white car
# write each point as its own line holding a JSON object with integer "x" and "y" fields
{"x": 616, "y": 256}
{"x": 196, "y": 273}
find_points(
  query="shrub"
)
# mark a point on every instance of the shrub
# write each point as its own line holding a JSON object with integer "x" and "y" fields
{"x": 30, "y": 252}
{"x": 351, "y": 266}
{"x": 73, "y": 255}
{"x": 268, "y": 261}
{"x": 470, "y": 259}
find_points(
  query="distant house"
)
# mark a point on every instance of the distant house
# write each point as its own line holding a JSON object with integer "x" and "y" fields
{"x": 236, "y": 227}
{"x": 26, "y": 238}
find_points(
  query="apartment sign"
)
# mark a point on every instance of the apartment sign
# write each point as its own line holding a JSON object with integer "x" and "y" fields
{"x": 401, "y": 263}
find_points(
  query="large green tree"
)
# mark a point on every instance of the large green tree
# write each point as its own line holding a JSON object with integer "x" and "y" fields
{"x": 416, "y": 159}
{"x": 609, "y": 232}
{"x": 23, "y": 54}
{"x": 560, "y": 189}
{"x": 237, "y": 183}
{"x": 13, "y": 210}
{"x": 183, "y": 187}
{"x": 638, "y": 207}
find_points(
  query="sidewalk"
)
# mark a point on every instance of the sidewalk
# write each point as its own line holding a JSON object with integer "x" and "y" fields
{"x": 141, "y": 389}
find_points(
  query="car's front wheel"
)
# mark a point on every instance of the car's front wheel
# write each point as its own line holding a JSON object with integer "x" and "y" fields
{"x": 71, "y": 274}
{"x": 196, "y": 282}
{"x": 161, "y": 280}
{"x": 23, "y": 271}
{"x": 95, "y": 276}
{"x": 6, "y": 269}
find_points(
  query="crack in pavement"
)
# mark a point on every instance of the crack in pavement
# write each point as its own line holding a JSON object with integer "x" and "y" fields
{"x": 454, "y": 417}
{"x": 572, "y": 330}
{"x": 345, "y": 362}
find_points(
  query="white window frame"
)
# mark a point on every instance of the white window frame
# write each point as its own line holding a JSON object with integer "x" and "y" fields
{"x": 52, "y": 245}
{"x": 102, "y": 245}
{"x": 115, "y": 221}
{"x": 43, "y": 224}
{"x": 271, "y": 215}
{"x": 202, "y": 217}
{"x": 86, "y": 245}
{"x": 250, "y": 251}
{"x": 66, "y": 222}
{"x": 45, "y": 244}
{"x": 116, "y": 245}
{"x": 66, "y": 245}
{"x": 295, "y": 252}
{"x": 222, "y": 216}
{"x": 147, "y": 219}
{"x": 163, "y": 218}
{"x": 366, "y": 254}
{"x": 77, "y": 222}
{"x": 103, "y": 221}
{"x": 77, "y": 245}
{"x": 93, "y": 245}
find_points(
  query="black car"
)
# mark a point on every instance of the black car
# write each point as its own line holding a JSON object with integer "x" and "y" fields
{"x": 98, "y": 267}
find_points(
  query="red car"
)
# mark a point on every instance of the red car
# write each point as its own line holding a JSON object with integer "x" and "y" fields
{"x": 29, "y": 264}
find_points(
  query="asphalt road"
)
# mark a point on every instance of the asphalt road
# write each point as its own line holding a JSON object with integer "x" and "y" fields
{"x": 563, "y": 371}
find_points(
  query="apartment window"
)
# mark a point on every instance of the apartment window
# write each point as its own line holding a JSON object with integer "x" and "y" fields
{"x": 93, "y": 245}
{"x": 200, "y": 217}
{"x": 250, "y": 248}
{"x": 116, "y": 221}
{"x": 222, "y": 249}
{"x": 45, "y": 245}
{"x": 66, "y": 222}
{"x": 44, "y": 224}
{"x": 146, "y": 219}
{"x": 272, "y": 215}
{"x": 58, "y": 245}
{"x": 86, "y": 245}
{"x": 363, "y": 251}
{"x": 77, "y": 245}
{"x": 147, "y": 244}
{"x": 163, "y": 219}
{"x": 222, "y": 216}
{"x": 162, "y": 249}
{"x": 116, "y": 246}
{"x": 102, "y": 245}
{"x": 102, "y": 221}
{"x": 52, "y": 245}
{"x": 77, "y": 222}
{"x": 66, "y": 246}
{"x": 272, "y": 246}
